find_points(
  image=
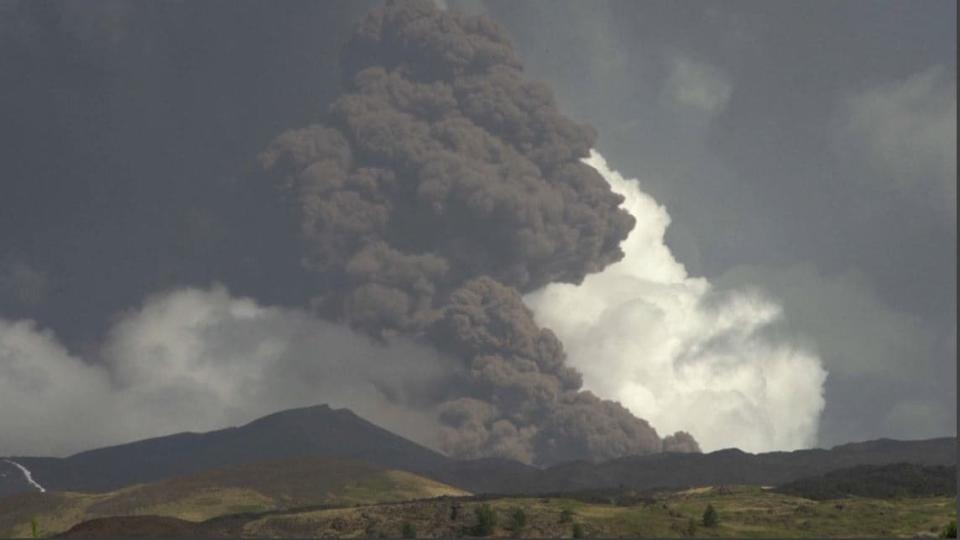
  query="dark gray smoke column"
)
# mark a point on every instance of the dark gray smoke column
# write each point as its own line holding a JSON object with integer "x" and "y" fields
{"x": 440, "y": 186}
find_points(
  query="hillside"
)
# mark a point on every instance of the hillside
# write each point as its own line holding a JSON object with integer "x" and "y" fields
{"x": 260, "y": 487}
{"x": 338, "y": 433}
{"x": 311, "y": 431}
{"x": 735, "y": 467}
{"x": 744, "y": 512}
{"x": 882, "y": 482}
{"x": 324, "y": 432}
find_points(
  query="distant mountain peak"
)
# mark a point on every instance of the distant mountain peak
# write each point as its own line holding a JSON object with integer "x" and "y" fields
{"x": 730, "y": 452}
{"x": 316, "y": 430}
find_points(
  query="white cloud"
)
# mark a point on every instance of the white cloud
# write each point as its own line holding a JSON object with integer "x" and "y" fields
{"x": 645, "y": 333}
{"x": 856, "y": 333}
{"x": 198, "y": 360}
{"x": 48, "y": 398}
{"x": 884, "y": 363}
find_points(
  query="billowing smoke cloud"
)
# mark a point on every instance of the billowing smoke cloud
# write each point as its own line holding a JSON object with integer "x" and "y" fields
{"x": 197, "y": 360}
{"x": 439, "y": 187}
{"x": 647, "y": 334}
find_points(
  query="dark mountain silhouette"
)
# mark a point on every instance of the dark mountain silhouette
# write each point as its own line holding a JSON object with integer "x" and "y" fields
{"x": 305, "y": 432}
{"x": 732, "y": 466}
{"x": 324, "y": 432}
{"x": 488, "y": 475}
{"x": 877, "y": 482}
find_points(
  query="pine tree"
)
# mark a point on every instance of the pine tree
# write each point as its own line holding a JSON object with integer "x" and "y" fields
{"x": 710, "y": 517}
{"x": 486, "y": 520}
{"x": 519, "y": 519}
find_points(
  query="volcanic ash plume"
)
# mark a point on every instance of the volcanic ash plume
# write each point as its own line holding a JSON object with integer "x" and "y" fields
{"x": 438, "y": 189}
{"x": 662, "y": 343}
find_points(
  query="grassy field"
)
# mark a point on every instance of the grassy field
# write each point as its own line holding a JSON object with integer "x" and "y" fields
{"x": 745, "y": 512}
{"x": 248, "y": 489}
{"x": 370, "y": 508}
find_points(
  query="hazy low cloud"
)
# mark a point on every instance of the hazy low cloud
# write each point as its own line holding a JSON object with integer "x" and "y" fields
{"x": 889, "y": 373}
{"x": 661, "y": 342}
{"x": 21, "y": 285}
{"x": 907, "y": 132}
{"x": 52, "y": 402}
{"x": 698, "y": 85}
{"x": 198, "y": 360}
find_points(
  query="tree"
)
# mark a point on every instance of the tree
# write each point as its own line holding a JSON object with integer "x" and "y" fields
{"x": 577, "y": 530}
{"x": 486, "y": 520}
{"x": 710, "y": 517}
{"x": 407, "y": 530}
{"x": 519, "y": 519}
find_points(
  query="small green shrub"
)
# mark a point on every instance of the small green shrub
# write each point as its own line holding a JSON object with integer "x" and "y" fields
{"x": 486, "y": 520}
{"x": 34, "y": 526}
{"x": 710, "y": 517}
{"x": 949, "y": 530}
{"x": 519, "y": 520}
{"x": 691, "y": 527}
{"x": 577, "y": 530}
{"x": 566, "y": 516}
{"x": 407, "y": 530}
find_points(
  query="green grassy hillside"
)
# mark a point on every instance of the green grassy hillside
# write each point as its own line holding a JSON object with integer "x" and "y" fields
{"x": 744, "y": 512}
{"x": 240, "y": 489}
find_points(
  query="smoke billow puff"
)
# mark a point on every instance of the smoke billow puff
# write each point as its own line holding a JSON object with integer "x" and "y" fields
{"x": 201, "y": 359}
{"x": 438, "y": 189}
{"x": 660, "y": 342}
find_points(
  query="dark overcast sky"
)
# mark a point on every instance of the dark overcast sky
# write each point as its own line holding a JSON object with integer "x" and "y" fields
{"x": 805, "y": 148}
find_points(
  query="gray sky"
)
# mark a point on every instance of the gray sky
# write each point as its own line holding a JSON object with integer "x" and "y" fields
{"x": 804, "y": 148}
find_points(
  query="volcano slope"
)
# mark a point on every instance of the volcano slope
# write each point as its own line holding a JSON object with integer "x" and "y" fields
{"x": 251, "y": 488}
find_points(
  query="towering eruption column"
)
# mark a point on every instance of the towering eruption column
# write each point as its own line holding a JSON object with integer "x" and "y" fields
{"x": 439, "y": 188}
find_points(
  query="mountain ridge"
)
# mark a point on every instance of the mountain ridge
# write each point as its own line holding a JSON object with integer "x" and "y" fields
{"x": 322, "y": 431}
{"x": 317, "y": 430}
